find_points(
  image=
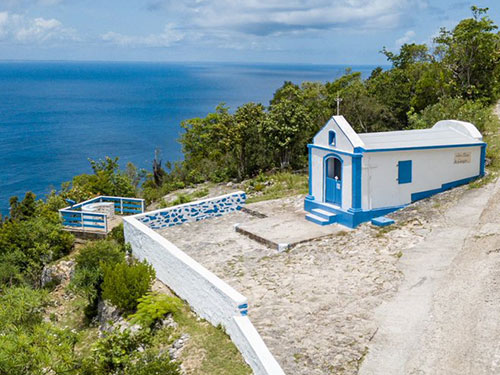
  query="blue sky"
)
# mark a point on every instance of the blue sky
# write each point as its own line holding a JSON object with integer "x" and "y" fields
{"x": 277, "y": 31}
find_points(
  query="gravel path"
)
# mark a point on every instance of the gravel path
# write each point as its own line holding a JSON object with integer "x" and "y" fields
{"x": 315, "y": 304}
{"x": 429, "y": 326}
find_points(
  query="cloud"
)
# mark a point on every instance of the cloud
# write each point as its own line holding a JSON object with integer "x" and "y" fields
{"x": 270, "y": 17}
{"x": 16, "y": 27}
{"x": 168, "y": 37}
{"x": 23, "y": 4}
{"x": 407, "y": 38}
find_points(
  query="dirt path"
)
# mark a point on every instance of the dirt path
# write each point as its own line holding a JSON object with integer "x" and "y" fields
{"x": 444, "y": 318}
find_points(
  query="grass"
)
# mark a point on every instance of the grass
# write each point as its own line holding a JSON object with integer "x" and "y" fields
{"x": 274, "y": 186}
{"x": 185, "y": 198}
{"x": 209, "y": 351}
{"x": 491, "y": 135}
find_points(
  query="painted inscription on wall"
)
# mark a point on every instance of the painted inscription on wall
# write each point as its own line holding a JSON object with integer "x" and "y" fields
{"x": 463, "y": 157}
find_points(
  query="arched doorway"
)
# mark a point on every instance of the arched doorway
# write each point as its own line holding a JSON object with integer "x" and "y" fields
{"x": 333, "y": 181}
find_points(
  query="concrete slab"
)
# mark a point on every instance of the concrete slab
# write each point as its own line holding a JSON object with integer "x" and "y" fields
{"x": 285, "y": 231}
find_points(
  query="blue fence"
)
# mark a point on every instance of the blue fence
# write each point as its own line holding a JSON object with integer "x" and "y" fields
{"x": 74, "y": 218}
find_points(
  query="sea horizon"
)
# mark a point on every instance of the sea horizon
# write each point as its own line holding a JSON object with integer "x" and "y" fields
{"x": 57, "y": 114}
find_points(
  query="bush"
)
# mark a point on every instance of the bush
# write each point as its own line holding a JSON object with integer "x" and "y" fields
{"x": 149, "y": 363}
{"x": 118, "y": 353}
{"x": 113, "y": 352}
{"x": 31, "y": 243}
{"x": 27, "y": 344}
{"x": 125, "y": 283}
{"x": 21, "y": 306}
{"x": 89, "y": 272}
{"x": 117, "y": 234}
{"x": 154, "y": 306}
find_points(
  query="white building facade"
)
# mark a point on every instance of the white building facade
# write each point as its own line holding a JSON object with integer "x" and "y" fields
{"x": 356, "y": 177}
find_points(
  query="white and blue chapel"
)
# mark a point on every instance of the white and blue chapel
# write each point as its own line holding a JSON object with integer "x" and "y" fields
{"x": 354, "y": 178}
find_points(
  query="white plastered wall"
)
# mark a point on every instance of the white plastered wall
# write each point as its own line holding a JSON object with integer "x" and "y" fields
{"x": 431, "y": 169}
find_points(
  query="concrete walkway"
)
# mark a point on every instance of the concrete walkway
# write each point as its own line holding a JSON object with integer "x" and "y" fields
{"x": 445, "y": 317}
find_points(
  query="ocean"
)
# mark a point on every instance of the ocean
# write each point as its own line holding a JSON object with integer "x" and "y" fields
{"x": 54, "y": 116}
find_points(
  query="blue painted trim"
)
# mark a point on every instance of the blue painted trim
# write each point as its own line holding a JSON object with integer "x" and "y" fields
{"x": 444, "y": 187}
{"x": 310, "y": 171}
{"x": 382, "y": 221}
{"x": 356, "y": 182}
{"x": 243, "y": 306}
{"x": 325, "y": 159}
{"x": 343, "y": 132}
{"x": 332, "y": 150}
{"x": 350, "y": 218}
{"x": 423, "y": 147}
{"x": 483, "y": 160}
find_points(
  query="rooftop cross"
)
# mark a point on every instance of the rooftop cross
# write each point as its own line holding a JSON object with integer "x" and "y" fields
{"x": 338, "y": 100}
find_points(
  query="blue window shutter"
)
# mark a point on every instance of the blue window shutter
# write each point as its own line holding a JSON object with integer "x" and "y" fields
{"x": 404, "y": 171}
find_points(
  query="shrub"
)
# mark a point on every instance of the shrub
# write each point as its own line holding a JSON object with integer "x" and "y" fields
{"x": 89, "y": 272}
{"x": 125, "y": 283}
{"x": 154, "y": 306}
{"x": 114, "y": 352}
{"x": 118, "y": 235}
{"x": 31, "y": 243}
{"x": 21, "y": 306}
{"x": 149, "y": 363}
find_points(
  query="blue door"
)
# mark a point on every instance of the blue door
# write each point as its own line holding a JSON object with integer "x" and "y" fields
{"x": 333, "y": 188}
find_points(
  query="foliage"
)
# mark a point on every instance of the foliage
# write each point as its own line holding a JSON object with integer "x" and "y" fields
{"x": 470, "y": 53}
{"x": 452, "y": 108}
{"x": 113, "y": 352}
{"x": 27, "y": 344}
{"x": 151, "y": 363}
{"x": 286, "y": 126}
{"x": 124, "y": 283}
{"x": 278, "y": 185}
{"x": 106, "y": 180}
{"x": 153, "y": 307}
{"x": 31, "y": 239}
{"x": 90, "y": 263}
{"x": 117, "y": 234}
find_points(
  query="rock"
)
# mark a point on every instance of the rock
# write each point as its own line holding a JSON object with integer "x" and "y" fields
{"x": 110, "y": 319}
{"x": 176, "y": 348}
{"x": 58, "y": 272}
{"x": 168, "y": 322}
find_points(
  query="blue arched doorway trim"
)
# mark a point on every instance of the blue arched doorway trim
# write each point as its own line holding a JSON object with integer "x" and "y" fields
{"x": 332, "y": 188}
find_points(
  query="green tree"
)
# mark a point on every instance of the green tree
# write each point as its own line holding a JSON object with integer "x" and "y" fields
{"x": 107, "y": 179}
{"x": 287, "y": 126}
{"x": 244, "y": 140}
{"x": 470, "y": 52}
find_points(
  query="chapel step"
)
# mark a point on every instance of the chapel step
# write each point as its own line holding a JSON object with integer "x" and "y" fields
{"x": 320, "y": 220}
{"x": 324, "y": 214}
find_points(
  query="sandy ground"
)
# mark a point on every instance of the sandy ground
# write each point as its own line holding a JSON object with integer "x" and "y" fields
{"x": 315, "y": 305}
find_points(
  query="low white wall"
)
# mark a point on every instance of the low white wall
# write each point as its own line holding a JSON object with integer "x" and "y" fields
{"x": 193, "y": 211}
{"x": 208, "y": 295}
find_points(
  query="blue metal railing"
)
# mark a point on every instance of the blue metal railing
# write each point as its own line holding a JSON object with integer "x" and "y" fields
{"x": 74, "y": 218}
